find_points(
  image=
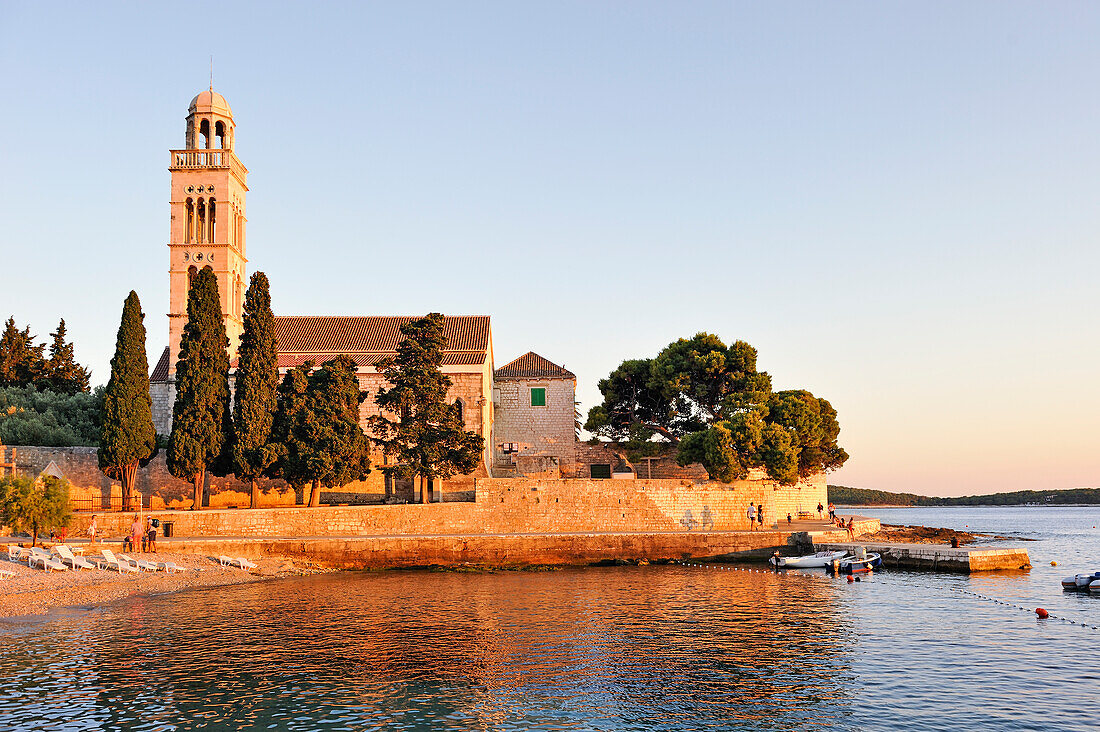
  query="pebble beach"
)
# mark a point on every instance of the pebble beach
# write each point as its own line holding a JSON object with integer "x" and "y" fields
{"x": 35, "y": 591}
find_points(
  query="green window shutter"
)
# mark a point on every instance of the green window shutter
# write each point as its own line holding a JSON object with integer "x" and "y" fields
{"x": 600, "y": 471}
{"x": 538, "y": 397}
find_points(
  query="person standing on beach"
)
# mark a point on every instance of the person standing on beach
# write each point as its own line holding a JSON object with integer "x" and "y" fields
{"x": 832, "y": 511}
{"x": 135, "y": 533}
{"x": 820, "y": 511}
{"x": 92, "y": 530}
{"x": 151, "y": 535}
{"x": 751, "y": 513}
{"x": 851, "y": 527}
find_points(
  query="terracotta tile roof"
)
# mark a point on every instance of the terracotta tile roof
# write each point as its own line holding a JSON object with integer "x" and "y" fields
{"x": 160, "y": 371}
{"x": 371, "y": 334}
{"x": 369, "y": 360}
{"x": 533, "y": 366}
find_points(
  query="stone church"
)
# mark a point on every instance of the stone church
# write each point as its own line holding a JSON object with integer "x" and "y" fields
{"x": 525, "y": 409}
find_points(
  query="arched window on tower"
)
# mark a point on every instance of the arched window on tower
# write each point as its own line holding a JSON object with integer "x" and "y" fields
{"x": 200, "y": 226}
{"x": 189, "y": 226}
{"x": 191, "y": 272}
{"x": 460, "y": 410}
{"x": 213, "y": 209}
{"x": 219, "y": 133}
{"x": 204, "y": 130}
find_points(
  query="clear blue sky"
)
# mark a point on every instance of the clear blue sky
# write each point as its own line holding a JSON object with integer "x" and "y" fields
{"x": 895, "y": 203}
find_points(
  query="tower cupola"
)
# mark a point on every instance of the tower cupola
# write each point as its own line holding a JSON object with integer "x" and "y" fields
{"x": 209, "y": 122}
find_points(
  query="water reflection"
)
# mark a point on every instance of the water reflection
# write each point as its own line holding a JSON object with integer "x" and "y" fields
{"x": 623, "y": 648}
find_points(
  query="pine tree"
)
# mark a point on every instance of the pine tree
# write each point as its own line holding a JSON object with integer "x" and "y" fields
{"x": 254, "y": 399}
{"x": 425, "y": 435}
{"x": 318, "y": 424}
{"x": 65, "y": 374}
{"x": 201, "y": 422}
{"x": 128, "y": 438}
{"x": 21, "y": 361}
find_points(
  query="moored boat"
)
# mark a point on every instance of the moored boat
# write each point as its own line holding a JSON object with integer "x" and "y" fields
{"x": 819, "y": 559}
{"x": 1082, "y": 582}
{"x": 862, "y": 561}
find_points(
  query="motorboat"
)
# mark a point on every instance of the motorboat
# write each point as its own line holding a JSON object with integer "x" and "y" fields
{"x": 1082, "y": 582}
{"x": 819, "y": 559}
{"x": 860, "y": 561}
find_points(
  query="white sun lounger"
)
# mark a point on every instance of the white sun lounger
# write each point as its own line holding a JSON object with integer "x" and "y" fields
{"x": 67, "y": 557}
{"x": 139, "y": 563}
{"x": 45, "y": 561}
{"x": 16, "y": 553}
{"x": 169, "y": 567}
{"x": 6, "y": 574}
{"x": 109, "y": 561}
{"x": 236, "y": 562}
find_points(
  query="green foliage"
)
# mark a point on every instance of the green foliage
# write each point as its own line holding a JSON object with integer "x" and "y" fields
{"x": 32, "y": 417}
{"x": 424, "y": 435}
{"x": 65, "y": 375}
{"x": 201, "y": 423}
{"x": 29, "y": 506}
{"x": 867, "y": 497}
{"x": 318, "y": 425}
{"x": 128, "y": 437}
{"x": 21, "y": 361}
{"x": 713, "y": 402}
{"x": 257, "y": 378}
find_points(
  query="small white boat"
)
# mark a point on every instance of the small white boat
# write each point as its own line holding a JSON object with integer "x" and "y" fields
{"x": 820, "y": 559}
{"x": 861, "y": 561}
{"x": 1082, "y": 582}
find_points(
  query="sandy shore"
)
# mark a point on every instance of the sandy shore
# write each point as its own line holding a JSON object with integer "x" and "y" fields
{"x": 34, "y": 591}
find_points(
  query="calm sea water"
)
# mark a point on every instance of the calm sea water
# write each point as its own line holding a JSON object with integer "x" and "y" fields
{"x": 646, "y": 648}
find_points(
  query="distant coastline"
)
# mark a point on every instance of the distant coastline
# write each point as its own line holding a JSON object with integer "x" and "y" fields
{"x": 868, "y": 498}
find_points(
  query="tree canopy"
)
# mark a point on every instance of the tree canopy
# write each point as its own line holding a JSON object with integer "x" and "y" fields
{"x": 23, "y": 362}
{"x": 257, "y": 378}
{"x": 29, "y": 416}
{"x": 713, "y": 402}
{"x": 64, "y": 374}
{"x": 318, "y": 425}
{"x": 416, "y": 426}
{"x": 30, "y": 506}
{"x": 201, "y": 422}
{"x": 128, "y": 438}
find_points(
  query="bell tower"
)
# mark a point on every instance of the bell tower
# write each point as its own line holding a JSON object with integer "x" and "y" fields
{"x": 208, "y": 217}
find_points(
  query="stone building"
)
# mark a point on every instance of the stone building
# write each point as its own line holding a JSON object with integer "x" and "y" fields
{"x": 535, "y": 429}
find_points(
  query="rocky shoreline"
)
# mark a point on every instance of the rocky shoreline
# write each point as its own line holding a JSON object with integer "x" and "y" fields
{"x": 35, "y": 592}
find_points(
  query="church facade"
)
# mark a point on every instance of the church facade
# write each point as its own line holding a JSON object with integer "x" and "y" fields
{"x": 208, "y": 231}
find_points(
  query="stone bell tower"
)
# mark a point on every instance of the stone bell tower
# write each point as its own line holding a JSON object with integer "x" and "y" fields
{"x": 208, "y": 217}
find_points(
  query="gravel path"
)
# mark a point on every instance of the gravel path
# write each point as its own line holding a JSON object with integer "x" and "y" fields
{"x": 34, "y": 591}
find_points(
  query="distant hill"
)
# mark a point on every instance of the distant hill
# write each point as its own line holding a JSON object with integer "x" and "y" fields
{"x": 865, "y": 497}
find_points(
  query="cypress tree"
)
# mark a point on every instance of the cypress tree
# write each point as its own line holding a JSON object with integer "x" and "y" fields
{"x": 128, "y": 438}
{"x": 201, "y": 423}
{"x": 65, "y": 374}
{"x": 254, "y": 400}
{"x": 319, "y": 422}
{"x": 426, "y": 438}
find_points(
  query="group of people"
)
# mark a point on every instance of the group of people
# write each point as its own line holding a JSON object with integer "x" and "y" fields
{"x": 755, "y": 514}
{"x": 145, "y": 538}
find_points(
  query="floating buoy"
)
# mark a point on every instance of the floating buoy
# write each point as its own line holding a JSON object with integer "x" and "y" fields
{"x": 1041, "y": 613}
{"x": 850, "y": 580}
{"x": 1053, "y": 563}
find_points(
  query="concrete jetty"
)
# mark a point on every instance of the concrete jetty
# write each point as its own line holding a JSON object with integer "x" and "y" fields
{"x": 939, "y": 557}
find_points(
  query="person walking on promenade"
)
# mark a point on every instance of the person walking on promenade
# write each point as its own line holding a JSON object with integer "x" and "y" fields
{"x": 832, "y": 511}
{"x": 851, "y": 527}
{"x": 751, "y": 513}
{"x": 788, "y": 519}
{"x": 820, "y": 511}
{"x": 151, "y": 535}
{"x": 760, "y": 515}
{"x": 92, "y": 528}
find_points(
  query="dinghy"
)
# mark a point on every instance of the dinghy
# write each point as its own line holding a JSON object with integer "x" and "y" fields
{"x": 863, "y": 561}
{"x": 1082, "y": 582}
{"x": 820, "y": 559}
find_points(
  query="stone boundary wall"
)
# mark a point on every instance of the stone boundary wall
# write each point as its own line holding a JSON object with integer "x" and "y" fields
{"x": 505, "y": 506}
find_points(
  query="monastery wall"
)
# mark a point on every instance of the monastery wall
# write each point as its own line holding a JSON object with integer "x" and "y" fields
{"x": 537, "y": 431}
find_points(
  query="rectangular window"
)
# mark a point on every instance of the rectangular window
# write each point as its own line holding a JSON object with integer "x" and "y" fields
{"x": 538, "y": 396}
{"x": 600, "y": 471}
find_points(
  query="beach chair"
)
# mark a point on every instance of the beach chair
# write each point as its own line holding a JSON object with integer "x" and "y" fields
{"x": 170, "y": 567}
{"x": 67, "y": 557}
{"x": 226, "y": 561}
{"x": 16, "y": 553}
{"x": 47, "y": 562}
{"x": 110, "y": 560}
{"x": 245, "y": 564}
{"x": 139, "y": 563}
{"x": 6, "y": 574}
